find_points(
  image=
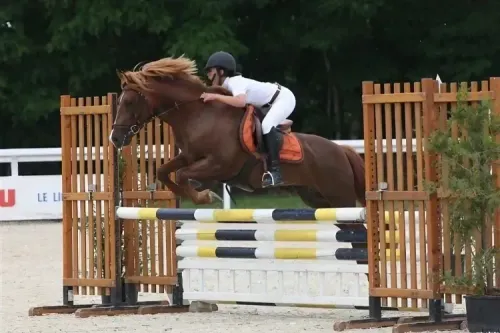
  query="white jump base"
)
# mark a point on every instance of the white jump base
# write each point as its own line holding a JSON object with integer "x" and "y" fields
{"x": 306, "y": 283}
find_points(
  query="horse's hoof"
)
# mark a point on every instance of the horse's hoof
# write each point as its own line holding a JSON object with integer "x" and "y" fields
{"x": 213, "y": 195}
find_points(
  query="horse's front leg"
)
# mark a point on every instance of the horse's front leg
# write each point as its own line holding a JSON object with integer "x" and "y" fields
{"x": 202, "y": 170}
{"x": 163, "y": 172}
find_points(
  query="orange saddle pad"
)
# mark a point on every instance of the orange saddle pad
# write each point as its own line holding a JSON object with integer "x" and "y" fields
{"x": 291, "y": 150}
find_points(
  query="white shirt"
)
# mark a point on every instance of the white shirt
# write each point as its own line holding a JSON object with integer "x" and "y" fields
{"x": 258, "y": 93}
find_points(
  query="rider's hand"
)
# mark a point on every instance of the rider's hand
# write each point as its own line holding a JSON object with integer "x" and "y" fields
{"x": 208, "y": 97}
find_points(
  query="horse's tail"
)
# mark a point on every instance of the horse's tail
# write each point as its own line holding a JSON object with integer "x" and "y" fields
{"x": 358, "y": 169}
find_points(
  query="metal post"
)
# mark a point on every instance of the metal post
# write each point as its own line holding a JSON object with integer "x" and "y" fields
{"x": 226, "y": 198}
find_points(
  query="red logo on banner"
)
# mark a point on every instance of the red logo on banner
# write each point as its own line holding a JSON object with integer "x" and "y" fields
{"x": 7, "y": 198}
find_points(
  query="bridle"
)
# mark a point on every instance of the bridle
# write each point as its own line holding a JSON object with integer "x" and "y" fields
{"x": 153, "y": 108}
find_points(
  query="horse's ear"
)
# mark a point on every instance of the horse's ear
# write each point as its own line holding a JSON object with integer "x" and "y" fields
{"x": 122, "y": 78}
{"x": 119, "y": 74}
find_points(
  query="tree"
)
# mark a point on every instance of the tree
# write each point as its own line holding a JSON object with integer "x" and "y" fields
{"x": 321, "y": 49}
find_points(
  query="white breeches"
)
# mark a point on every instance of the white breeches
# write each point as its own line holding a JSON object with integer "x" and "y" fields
{"x": 282, "y": 107}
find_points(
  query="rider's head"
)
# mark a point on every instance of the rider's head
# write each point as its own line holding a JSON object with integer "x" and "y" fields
{"x": 219, "y": 66}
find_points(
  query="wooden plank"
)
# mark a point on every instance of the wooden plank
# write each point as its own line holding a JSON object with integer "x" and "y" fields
{"x": 489, "y": 231}
{"x": 407, "y": 293}
{"x": 105, "y": 119}
{"x": 161, "y": 226}
{"x": 74, "y": 188}
{"x": 98, "y": 210}
{"x": 387, "y": 97}
{"x": 477, "y": 233}
{"x": 398, "y": 123}
{"x": 171, "y": 225}
{"x": 153, "y": 280}
{"x": 396, "y": 195}
{"x": 381, "y": 227}
{"x": 68, "y": 244}
{"x": 466, "y": 164}
{"x": 473, "y": 96}
{"x": 103, "y": 283}
{"x": 433, "y": 222}
{"x": 145, "y": 195}
{"x": 128, "y": 228}
{"x": 371, "y": 181}
{"x": 85, "y": 110}
{"x": 410, "y": 173}
{"x": 133, "y": 175}
{"x": 444, "y": 204}
{"x": 143, "y": 223}
{"x": 90, "y": 203}
{"x": 455, "y": 133}
{"x": 114, "y": 257}
{"x": 82, "y": 188}
{"x": 388, "y": 112}
{"x": 151, "y": 223}
{"x": 84, "y": 196}
{"x": 495, "y": 87}
{"x": 419, "y": 136}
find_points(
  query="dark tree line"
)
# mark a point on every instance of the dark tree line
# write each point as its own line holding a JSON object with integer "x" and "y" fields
{"x": 321, "y": 49}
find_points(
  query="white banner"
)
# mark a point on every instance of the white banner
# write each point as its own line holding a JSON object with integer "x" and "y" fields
{"x": 30, "y": 198}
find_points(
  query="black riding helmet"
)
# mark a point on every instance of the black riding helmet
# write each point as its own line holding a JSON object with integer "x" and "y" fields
{"x": 222, "y": 60}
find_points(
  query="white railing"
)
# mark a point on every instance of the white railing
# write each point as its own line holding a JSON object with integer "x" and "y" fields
{"x": 16, "y": 156}
{"x": 39, "y": 197}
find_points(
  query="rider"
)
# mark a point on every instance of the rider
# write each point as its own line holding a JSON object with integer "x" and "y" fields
{"x": 276, "y": 102}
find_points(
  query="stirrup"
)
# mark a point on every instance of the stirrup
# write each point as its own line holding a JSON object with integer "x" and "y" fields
{"x": 269, "y": 173}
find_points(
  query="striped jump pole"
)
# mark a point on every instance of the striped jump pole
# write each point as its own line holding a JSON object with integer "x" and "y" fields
{"x": 307, "y": 215}
{"x": 266, "y": 252}
{"x": 245, "y": 215}
{"x": 279, "y": 235}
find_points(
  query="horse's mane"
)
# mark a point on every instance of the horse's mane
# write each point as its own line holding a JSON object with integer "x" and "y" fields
{"x": 180, "y": 68}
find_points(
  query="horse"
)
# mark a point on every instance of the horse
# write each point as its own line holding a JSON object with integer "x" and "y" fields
{"x": 221, "y": 143}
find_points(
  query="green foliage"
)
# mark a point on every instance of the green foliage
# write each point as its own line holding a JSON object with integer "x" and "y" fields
{"x": 321, "y": 49}
{"x": 474, "y": 194}
{"x": 482, "y": 267}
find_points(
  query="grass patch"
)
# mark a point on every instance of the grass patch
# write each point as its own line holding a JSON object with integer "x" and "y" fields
{"x": 255, "y": 201}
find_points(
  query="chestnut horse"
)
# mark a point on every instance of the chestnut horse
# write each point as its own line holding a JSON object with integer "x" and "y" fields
{"x": 221, "y": 143}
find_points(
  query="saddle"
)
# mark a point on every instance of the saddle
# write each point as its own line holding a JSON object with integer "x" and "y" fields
{"x": 252, "y": 140}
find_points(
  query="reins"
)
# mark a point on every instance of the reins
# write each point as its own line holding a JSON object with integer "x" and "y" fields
{"x": 135, "y": 128}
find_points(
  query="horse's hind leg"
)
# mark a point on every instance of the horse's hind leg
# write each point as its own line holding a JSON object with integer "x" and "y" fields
{"x": 312, "y": 198}
{"x": 330, "y": 195}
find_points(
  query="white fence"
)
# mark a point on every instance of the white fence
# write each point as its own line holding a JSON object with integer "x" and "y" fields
{"x": 24, "y": 198}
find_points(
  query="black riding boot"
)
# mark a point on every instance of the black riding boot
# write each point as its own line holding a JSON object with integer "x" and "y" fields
{"x": 273, "y": 176}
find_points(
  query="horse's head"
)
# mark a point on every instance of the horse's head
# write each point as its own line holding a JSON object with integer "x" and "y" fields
{"x": 133, "y": 112}
{"x": 153, "y": 90}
